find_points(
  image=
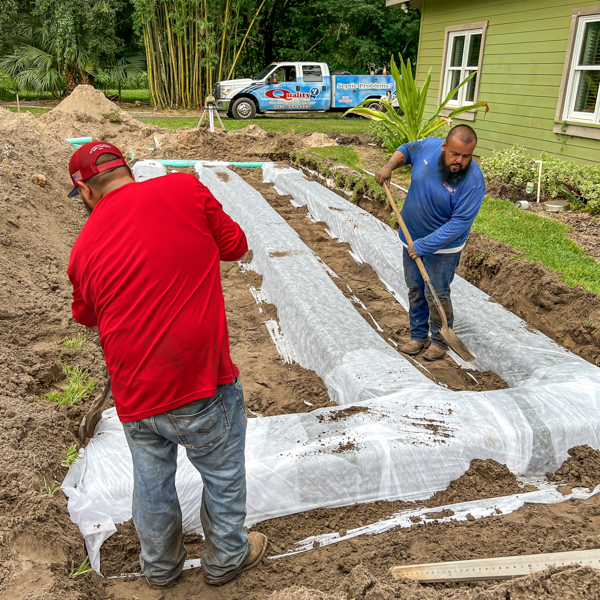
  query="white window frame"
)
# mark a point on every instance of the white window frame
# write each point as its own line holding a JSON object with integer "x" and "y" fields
{"x": 575, "y": 74}
{"x": 464, "y": 69}
{"x": 446, "y": 78}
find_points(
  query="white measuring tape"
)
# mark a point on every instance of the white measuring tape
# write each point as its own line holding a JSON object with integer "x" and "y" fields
{"x": 496, "y": 568}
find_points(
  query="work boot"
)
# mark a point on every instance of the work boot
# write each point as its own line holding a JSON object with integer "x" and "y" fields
{"x": 413, "y": 347}
{"x": 258, "y": 547}
{"x": 434, "y": 353}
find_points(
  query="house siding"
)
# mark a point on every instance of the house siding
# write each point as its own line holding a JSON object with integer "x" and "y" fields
{"x": 523, "y": 62}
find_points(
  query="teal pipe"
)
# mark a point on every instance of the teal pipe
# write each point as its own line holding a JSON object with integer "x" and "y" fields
{"x": 78, "y": 142}
{"x": 191, "y": 163}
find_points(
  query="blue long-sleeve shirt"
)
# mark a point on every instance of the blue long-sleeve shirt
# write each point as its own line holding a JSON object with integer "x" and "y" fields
{"x": 438, "y": 216}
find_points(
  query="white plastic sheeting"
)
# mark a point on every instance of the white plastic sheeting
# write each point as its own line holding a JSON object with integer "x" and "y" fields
{"x": 148, "y": 169}
{"x": 411, "y": 439}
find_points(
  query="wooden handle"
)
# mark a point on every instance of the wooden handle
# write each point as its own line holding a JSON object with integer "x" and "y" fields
{"x": 404, "y": 230}
{"x": 418, "y": 260}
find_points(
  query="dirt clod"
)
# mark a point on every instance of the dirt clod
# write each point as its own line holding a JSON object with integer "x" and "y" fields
{"x": 581, "y": 469}
{"x": 484, "y": 479}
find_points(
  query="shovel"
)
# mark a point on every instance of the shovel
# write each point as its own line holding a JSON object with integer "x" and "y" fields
{"x": 90, "y": 420}
{"x": 451, "y": 338}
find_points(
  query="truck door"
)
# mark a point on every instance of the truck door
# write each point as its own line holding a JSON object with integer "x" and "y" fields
{"x": 280, "y": 89}
{"x": 315, "y": 87}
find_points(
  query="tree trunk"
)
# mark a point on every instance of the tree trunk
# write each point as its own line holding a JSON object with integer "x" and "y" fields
{"x": 71, "y": 83}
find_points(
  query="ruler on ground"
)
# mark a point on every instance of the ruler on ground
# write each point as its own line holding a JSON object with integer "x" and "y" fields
{"x": 496, "y": 568}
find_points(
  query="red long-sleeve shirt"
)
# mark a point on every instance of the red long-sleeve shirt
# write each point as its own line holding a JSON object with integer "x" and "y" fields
{"x": 145, "y": 270}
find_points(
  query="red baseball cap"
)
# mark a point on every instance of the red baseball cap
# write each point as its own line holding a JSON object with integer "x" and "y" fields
{"x": 83, "y": 165}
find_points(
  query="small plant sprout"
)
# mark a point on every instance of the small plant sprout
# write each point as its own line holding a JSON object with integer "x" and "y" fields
{"x": 84, "y": 568}
{"x": 78, "y": 386}
{"x": 72, "y": 455}
{"x": 49, "y": 488}
{"x": 75, "y": 341}
{"x": 590, "y": 323}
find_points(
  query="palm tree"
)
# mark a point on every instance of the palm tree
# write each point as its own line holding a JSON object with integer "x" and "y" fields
{"x": 128, "y": 66}
{"x": 41, "y": 65}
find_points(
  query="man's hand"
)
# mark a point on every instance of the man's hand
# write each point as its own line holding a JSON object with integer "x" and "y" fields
{"x": 411, "y": 251}
{"x": 383, "y": 175}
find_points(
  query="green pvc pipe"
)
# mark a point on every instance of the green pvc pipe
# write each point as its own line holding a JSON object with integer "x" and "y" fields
{"x": 191, "y": 163}
{"x": 79, "y": 141}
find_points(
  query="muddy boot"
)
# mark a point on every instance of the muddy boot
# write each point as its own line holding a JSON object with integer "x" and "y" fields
{"x": 413, "y": 347}
{"x": 258, "y": 547}
{"x": 434, "y": 353}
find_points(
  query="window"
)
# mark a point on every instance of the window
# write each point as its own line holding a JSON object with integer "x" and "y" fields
{"x": 463, "y": 55}
{"x": 312, "y": 73}
{"x": 284, "y": 75}
{"x": 582, "y": 102}
{"x": 462, "y": 60}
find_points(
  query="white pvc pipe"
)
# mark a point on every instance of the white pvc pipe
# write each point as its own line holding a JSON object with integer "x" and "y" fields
{"x": 539, "y": 186}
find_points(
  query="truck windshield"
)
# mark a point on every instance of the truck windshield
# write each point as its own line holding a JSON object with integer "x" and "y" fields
{"x": 264, "y": 72}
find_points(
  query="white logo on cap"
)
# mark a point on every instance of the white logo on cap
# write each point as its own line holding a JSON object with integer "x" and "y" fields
{"x": 98, "y": 146}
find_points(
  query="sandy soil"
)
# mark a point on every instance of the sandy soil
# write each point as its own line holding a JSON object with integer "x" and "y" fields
{"x": 38, "y": 542}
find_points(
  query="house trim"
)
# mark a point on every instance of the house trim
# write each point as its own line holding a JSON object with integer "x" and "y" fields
{"x": 483, "y": 25}
{"x": 560, "y": 107}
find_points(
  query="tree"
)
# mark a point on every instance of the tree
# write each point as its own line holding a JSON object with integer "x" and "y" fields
{"x": 347, "y": 34}
{"x": 190, "y": 44}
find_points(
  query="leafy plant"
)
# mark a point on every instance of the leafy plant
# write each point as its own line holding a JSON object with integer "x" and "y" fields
{"x": 78, "y": 386}
{"x": 72, "y": 454}
{"x": 411, "y": 126}
{"x": 113, "y": 117}
{"x": 83, "y": 568}
{"x": 75, "y": 341}
{"x": 579, "y": 183}
{"x": 49, "y": 488}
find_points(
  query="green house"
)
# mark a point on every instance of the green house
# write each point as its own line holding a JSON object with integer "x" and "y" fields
{"x": 539, "y": 70}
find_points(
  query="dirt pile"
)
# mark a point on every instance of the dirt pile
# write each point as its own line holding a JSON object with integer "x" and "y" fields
{"x": 484, "y": 479}
{"x": 88, "y": 103}
{"x": 318, "y": 140}
{"x": 572, "y": 583}
{"x": 568, "y": 315}
{"x": 581, "y": 469}
{"x": 38, "y": 224}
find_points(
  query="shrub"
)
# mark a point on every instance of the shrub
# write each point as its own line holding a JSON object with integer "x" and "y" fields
{"x": 515, "y": 166}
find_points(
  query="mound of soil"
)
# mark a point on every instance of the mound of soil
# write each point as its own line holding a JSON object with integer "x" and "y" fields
{"x": 318, "y": 140}
{"x": 571, "y": 583}
{"x": 484, "y": 479}
{"x": 568, "y": 315}
{"x": 581, "y": 469}
{"x": 88, "y": 103}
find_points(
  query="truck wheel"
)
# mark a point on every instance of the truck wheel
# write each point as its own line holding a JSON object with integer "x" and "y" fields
{"x": 375, "y": 106}
{"x": 244, "y": 109}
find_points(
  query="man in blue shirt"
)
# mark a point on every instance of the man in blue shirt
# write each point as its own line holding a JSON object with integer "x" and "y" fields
{"x": 445, "y": 195}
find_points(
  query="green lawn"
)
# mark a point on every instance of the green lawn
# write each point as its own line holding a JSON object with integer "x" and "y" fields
{"x": 343, "y": 154}
{"x": 544, "y": 240}
{"x": 32, "y": 110}
{"x": 281, "y": 124}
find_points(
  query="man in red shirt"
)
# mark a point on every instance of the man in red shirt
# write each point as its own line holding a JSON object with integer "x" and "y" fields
{"x": 145, "y": 271}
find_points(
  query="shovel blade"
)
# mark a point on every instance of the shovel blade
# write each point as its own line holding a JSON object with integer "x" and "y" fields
{"x": 459, "y": 347}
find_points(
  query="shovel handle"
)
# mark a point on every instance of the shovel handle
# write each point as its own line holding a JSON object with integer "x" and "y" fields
{"x": 418, "y": 260}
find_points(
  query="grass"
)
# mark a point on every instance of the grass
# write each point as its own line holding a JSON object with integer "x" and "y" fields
{"x": 543, "y": 240}
{"x": 32, "y": 110}
{"x": 128, "y": 95}
{"x": 78, "y": 386}
{"x": 343, "y": 154}
{"x": 71, "y": 455}
{"x": 279, "y": 124}
{"x": 83, "y": 568}
{"x": 75, "y": 341}
{"x": 49, "y": 489}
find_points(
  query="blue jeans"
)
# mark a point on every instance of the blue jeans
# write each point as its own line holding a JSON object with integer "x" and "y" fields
{"x": 422, "y": 311}
{"x": 213, "y": 432}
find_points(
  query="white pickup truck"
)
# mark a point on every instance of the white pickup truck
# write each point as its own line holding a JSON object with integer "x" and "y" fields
{"x": 293, "y": 87}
